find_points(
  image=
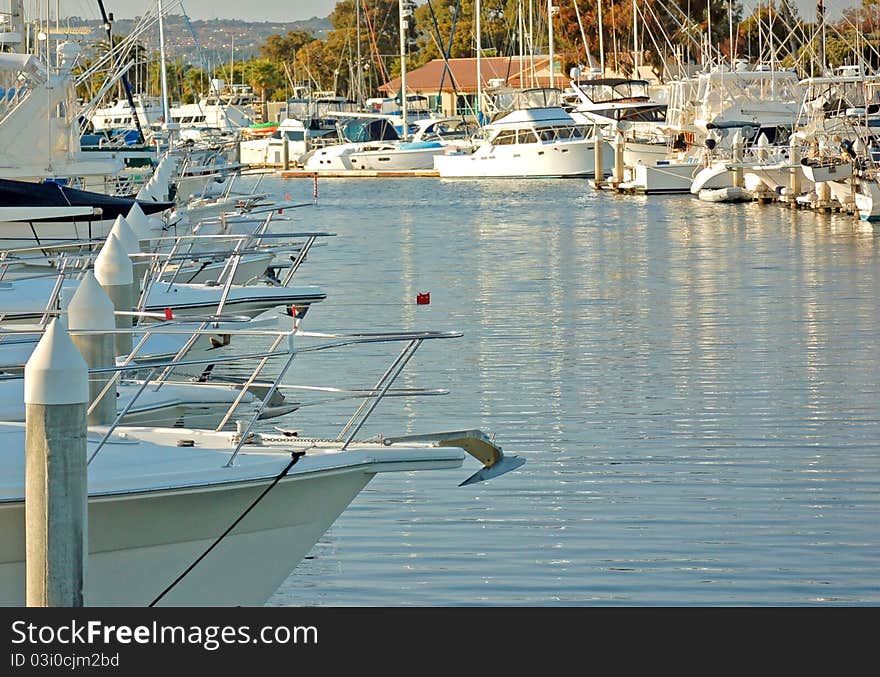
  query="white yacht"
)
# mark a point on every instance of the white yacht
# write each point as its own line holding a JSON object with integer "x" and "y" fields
{"x": 227, "y": 109}
{"x": 623, "y": 107}
{"x": 159, "y": 497}
{"x": 432, "y": 136}
{"x": 118, "y": 115}
{"x": 530, "y": 142}
{"x": 193, "y": 517}
{"x": 300, "y": 137}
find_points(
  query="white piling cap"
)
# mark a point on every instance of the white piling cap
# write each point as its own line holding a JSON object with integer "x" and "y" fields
{"x": 112, "y": 265}
{"x": 126, "y": 235}
{"x": 90, "y": 307}
{"x": 146, "y": 192}
{"x": 158, "y": 187}
{"x": 56, "y": 373}
{"x": 139, "y": 222}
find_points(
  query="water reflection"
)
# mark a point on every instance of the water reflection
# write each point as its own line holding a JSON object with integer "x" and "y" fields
{"x": 695, "y": 386}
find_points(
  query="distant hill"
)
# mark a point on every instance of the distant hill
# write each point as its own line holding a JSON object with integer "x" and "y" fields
{"x": 215, "y": 36}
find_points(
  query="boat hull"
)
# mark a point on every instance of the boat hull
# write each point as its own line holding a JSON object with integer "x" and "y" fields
{"x": 396, "y": 160}
{"x": 139, "y": 544}
{"x": 867, "y": 200}
{"x": 563, "y": 160}
{"x": 661, "y": 178}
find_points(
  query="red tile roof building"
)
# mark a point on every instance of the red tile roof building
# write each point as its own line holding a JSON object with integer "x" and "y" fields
{"x": 459, "y": 85}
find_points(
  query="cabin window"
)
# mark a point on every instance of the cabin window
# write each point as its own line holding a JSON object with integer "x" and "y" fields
{"x": 526, "y": 136}
{"x": 505, "y": 138}
{"x": 547, "y": 134}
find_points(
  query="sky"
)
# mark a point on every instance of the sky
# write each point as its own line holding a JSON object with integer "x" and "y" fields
{"x": 292, "y": 10}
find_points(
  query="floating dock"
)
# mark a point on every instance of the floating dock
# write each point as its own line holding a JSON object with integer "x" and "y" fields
{"x": 356, "y": 173}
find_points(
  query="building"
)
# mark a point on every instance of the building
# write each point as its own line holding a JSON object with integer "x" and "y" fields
{"x": 453, "y": 90}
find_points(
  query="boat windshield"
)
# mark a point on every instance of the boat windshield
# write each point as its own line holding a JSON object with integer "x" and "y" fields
{"x": 606, "y": 90}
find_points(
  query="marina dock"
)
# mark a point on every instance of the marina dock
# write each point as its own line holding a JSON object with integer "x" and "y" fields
{"x": 356, "y": 173}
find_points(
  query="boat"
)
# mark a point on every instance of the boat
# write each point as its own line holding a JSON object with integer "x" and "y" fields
{"x": 726, "y": 194}
{"x": 50, "y": 213}
{"x": 624, "y": 107}
{"x": 194, "y": 517}
{"x": 299, "y": 136}
{"x": 432, "y": 136}
{"x": 660, "y": 177}
{"x": 145, "y": 480}
{"x": 867, "y": 198}
{"x": 228, "y": 109}
{"x": 118, "y": 116}
{"x": 826, "y": 168}
{"x": 352, "y": 133}
{"x": 530, "y": 142}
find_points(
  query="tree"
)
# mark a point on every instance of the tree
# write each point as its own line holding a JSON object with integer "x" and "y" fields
{"x": 264, "y": 77}
{"x": 283, "y": 48}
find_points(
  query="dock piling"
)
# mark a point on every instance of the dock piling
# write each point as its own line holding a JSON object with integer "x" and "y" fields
{"x": 56, "y": 524}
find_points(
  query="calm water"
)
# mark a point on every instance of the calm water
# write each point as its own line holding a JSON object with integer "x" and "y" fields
{"x": 695, "y": 387}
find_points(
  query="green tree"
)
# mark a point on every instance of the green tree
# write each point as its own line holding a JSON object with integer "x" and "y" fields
{"x": 283, "y": 48}
{"x": 264, "y": 77}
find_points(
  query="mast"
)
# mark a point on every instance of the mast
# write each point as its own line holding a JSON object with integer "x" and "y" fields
{"x": 126, "y": 85}
{"x": 820, "y": 18}
{"x": 162, "y": 69}
{"x": 531, "y": 44}
{"x": 601, "y": 40}
{"x": 479, "y": 69}
{"x": 404, "y": 11}
{"x": 359, "y": 95}
{"x": 550, "y": 9}
{"x": 519, "y": 24}
{"x": 635, "y": 40}
{"x": 731, "y": 49}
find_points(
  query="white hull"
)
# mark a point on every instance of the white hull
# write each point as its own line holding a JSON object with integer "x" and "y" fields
{"x": 139, "y": 544}
{"x": 729, "y": 194}
{"x": 663, "y": 177}
{"x": 754, "y": 177}
{"x": 558, "y": 160}
{"x": 867, "y": 200}
{"x": 395, "y": 160}
{"x": 828, "y": 170}
{"x": 270, "y": 152}
{"x": 154, "y": 508}
{"x": 644, "y": 153}
{"x": 23, "y": 300}
{"x": 18, "y": 234}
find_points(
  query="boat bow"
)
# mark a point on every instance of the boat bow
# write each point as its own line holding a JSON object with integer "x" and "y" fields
{"x": 474, "y": 442}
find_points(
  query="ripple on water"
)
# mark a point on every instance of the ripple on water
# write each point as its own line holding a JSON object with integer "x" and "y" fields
{"x": 694, "y": 387}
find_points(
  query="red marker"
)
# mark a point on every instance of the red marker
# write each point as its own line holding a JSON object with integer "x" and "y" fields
{"x": 423, "y": 298}
{"x": 168, "y": 314}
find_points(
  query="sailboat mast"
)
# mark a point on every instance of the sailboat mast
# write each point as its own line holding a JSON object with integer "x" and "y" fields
{"x": 519, "y": 23}
{"x": 162, "y": 70}
{"x": 550, "y": 9}
{"x": 403, "y": 12}
{"x": 731, "y": 48}
{"x": 359, "y": 94}
{"x": 635, "y": 40}
{"x": 601, "y": 39}
{"x": 479, "y": 69}
{"x": 531, "y": 44}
